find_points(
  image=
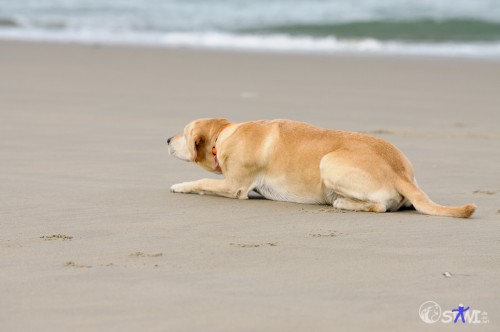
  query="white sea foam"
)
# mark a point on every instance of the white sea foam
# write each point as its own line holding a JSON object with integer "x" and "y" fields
{"x": 259, "y": 43}
{"x": 286, "y": 43}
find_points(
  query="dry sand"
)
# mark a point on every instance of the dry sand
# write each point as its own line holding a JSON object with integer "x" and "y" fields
{"x": 92, "y": 240}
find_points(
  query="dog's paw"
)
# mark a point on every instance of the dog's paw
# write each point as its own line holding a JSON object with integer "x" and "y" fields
{"x": 179, "y": 188}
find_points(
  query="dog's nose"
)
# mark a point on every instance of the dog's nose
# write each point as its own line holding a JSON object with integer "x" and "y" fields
{"x": 168, "y": 140}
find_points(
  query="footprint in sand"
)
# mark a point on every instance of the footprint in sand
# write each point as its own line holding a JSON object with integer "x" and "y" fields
{"x": 56, "y": 237}
{"x": 73, "y": 264}
{"x": 141, "y": 254}
{"x": 379, "y": 132}
{"x": 486, "y": 192}
{"x": 326, "y": 234}
{"x": 249, "y": 245}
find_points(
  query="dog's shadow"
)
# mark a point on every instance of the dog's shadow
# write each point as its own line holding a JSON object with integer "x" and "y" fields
{"x": 255, "y": 195}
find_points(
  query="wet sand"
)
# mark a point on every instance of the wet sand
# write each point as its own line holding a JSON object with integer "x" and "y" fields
{"x": 93, "y": 240}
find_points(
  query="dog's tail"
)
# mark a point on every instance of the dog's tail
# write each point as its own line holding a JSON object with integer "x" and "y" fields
{"x": 424, "y": 204}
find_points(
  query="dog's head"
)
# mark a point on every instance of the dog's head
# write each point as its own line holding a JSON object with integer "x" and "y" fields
{"x": 196, "y": 143}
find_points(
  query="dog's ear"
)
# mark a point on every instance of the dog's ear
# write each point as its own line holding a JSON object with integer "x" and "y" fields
{"x": 196, "y": 147}
{"x": 200, "y": 137}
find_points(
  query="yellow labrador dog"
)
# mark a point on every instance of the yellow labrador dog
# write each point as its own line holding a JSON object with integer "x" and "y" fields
{"x": 296, "y": 162}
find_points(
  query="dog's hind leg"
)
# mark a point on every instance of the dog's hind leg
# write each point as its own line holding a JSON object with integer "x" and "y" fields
{"x": 343, "y": 203}
{"x": 357, "y": 188}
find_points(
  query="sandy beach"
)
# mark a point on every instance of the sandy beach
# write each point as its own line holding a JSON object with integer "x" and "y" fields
{"x": 92, "y": 239}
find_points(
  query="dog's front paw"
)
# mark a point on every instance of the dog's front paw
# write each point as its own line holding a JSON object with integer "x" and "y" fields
{"x": 180, "y": 188}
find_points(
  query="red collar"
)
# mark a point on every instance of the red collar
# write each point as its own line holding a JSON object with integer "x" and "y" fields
{"x": 217, "y": 165}
{"x": 214, "y": 150}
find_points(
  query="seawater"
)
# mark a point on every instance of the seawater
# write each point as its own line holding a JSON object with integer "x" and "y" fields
{"x": 469, "y": 28}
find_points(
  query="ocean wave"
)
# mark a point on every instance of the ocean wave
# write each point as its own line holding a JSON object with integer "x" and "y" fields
{"x": 412, "y": 27}
{"x": 8, "y": 22}
{"x": 261, "y": 43}
{"x": 423, "y": 30}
